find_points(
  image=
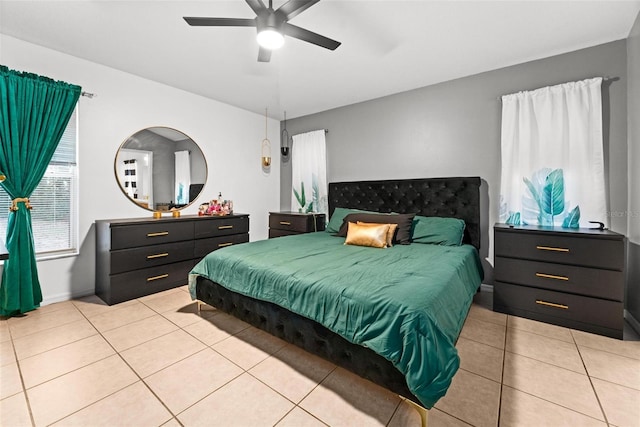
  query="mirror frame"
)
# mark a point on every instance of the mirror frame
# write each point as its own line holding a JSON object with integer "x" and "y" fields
{"x": 156, "y": 212}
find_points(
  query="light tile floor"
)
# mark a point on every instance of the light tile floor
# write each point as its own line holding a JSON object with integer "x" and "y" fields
{"x": 156, "y": 361}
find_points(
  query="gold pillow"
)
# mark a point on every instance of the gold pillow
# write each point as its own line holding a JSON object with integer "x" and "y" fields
{"x": 374, "y": 235}
{"x": 390, "y": 233}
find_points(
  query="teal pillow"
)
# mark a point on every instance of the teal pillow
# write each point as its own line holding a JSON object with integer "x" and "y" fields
{"x": 337, "y": 217}
{"x": 437, "y": 230}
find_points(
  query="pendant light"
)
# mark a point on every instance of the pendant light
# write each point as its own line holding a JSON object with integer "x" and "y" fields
{"x": 284, "y": 139}
{"x": 266, "y": 144}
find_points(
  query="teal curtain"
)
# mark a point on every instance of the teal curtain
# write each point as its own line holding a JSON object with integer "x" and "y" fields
{"x": 34, "y": 113}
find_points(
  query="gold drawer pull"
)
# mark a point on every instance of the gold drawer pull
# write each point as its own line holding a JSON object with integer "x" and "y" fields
{"x": 158, "y": 255}
{"x": 222, "y": 245}
{"x": 552, "y": 304}
{"x": 225, "y": 227}
{"x": 551, "y": 276}
{"x": 551, "y": 248}
{"x": 160, "y": 233}
{"x": 285, "y": 223}
{"x": 162, "y": 276}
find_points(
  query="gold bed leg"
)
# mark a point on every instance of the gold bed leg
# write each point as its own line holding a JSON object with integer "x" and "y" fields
{"x": 203, "y": 306}
{"x": 424, "y": 414}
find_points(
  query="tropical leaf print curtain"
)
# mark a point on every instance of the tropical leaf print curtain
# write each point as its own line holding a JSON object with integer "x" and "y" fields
{"x": 309, "y": 173}
{"x": 552, "y": 156}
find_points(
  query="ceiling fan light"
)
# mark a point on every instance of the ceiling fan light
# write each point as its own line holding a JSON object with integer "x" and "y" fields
{"x": 270, "y": 39}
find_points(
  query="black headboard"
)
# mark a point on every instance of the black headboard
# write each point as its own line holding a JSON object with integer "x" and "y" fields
{"x": 457, "y": 197}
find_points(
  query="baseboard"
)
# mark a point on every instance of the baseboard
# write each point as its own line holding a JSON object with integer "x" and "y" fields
{"x": 633, "y": 322}
{"x": 52, "y": 299}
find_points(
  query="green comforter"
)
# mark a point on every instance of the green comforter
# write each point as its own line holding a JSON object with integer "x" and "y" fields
{"x": 406, "y": 303}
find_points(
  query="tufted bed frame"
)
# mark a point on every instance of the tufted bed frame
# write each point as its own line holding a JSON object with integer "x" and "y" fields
{"x": 457, "y": 197}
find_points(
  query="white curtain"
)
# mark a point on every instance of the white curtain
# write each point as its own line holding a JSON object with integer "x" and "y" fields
{"x": 309, "y": 172}
{"x": 183, "y": 177}
{"x": 552, "y": 156}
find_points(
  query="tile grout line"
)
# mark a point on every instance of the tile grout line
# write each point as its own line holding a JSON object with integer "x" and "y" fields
{"x": 560, "y": 367}
{"x": 504, "y": 359}
{"x": 304, "y": 397}
{"x": 24, "y": 390}
{"x": 116, "y": 391}
{"x": 547, "y": 400}
{"x": 595, "y": 393}
{"x": 173, "y": 416}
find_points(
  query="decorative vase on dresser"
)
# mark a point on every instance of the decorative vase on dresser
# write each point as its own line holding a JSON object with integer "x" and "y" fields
{"x": 141, "y": 256}
{"x": 569, "y": 277}
{"x": 288, "y": 223}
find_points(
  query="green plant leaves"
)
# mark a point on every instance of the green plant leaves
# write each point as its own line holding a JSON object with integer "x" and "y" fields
{"x": 302, "y": 201}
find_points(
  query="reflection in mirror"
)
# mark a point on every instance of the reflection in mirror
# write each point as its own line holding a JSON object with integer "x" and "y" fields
{"x": 160, "y": 169}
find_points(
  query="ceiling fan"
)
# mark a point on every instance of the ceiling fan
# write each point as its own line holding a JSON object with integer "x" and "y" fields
{"x": 272, "y": 25}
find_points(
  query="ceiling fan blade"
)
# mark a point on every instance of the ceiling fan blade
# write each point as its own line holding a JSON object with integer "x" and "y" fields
{"x": 309, "y": 36}
{"x": 256, "y": 5}
{"x": 220, "y": 22}
{"x": 264, "y": 55}
{"x": 294, "y": 7}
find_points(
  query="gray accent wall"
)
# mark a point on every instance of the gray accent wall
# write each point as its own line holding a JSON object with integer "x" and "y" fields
{"x": 633, "y": 212}
{"x": 453, "y": 129}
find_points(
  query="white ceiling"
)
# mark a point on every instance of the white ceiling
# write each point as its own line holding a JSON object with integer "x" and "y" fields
{"x": 387, "y": 46}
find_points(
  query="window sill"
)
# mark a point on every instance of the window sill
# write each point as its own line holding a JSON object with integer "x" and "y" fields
{"x": 56, "y": 255}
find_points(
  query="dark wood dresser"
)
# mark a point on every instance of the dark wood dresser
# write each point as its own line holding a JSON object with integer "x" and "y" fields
{"x": 288, "y": 223}
{"x": 141, "y": 256}
{"x": 568, "y": 277}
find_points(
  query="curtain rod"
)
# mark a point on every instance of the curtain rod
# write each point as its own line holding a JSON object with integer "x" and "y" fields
{"x": 604, "y": 79}
{"x": 88, "y": 94}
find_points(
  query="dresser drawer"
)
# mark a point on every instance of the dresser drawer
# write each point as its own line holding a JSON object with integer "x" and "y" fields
{"x": 567, "y": 309}
{"x": 150, "y": 256}
{"x": 134, "y": 284}
{"x": 128, "y": 236}
{"x": 593, "y": 282}
{"x": 547, "y": 247}
{"x": 274, "y": 232}
{"x": 287, "y": 223}
{"x": 221, "y": 226}
{"x": 294, "y": 223}
{"x": 204, "y": 246}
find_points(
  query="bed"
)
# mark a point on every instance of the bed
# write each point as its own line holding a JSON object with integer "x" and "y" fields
{"x": 404, "y": 343}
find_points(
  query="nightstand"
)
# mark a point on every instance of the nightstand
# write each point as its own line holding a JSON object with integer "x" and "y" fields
{"x": 568, "y": 277}
{"x": 288, "y": 223}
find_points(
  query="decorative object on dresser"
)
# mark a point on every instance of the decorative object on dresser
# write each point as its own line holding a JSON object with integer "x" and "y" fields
{"x": 287, "y": 223}
{"x": 568, "y": 277}
{"x": 141, "y": 256}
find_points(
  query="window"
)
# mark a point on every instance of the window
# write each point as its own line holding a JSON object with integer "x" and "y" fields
{"x": 55, "y": 207}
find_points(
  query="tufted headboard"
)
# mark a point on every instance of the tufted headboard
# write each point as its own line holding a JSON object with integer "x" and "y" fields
{"x": 457, "y": 197}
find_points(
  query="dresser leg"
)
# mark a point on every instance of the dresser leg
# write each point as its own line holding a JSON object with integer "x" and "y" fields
{"x": 424, "y": 413}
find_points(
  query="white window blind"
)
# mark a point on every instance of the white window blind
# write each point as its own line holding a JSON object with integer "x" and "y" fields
{"x": 54, "y": 201}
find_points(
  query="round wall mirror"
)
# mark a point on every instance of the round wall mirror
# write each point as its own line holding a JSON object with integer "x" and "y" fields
{"x": 160, "y": 169}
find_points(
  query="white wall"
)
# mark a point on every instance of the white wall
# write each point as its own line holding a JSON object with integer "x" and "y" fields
{"x": 229, "y": 137}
